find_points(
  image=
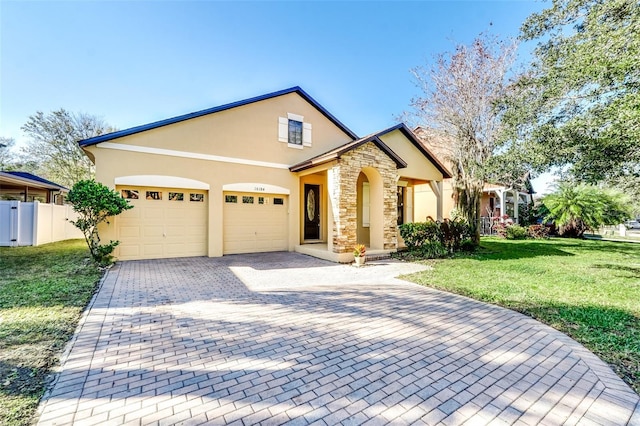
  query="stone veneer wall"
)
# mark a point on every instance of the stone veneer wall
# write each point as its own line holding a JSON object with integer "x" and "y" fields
{"x": 342, "y": 183}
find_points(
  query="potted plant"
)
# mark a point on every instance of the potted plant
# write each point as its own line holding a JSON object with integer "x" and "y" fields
{"x": 359, "y": 252}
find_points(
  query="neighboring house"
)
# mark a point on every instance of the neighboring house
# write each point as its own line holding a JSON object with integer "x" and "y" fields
{"x": 27, "y": 187}
{"x": 275, "y": 172}
{"x": 497, "y": 200}
{"x": 31, "y": 211}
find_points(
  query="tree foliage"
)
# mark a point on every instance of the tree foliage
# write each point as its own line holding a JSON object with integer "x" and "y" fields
{"x": 7, "y": 158}
{"x": 54, "y": 144}
{"x": 458, "y": 114}
{"x": 579, "y": 104}
{"x": 95, "y": 203}
{"x": 578, "y": 208}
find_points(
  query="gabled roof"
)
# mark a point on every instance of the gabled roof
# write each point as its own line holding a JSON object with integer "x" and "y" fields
{"x": 145, "y": 127}
{"x": 339, "y": 151}
{"x": 375, "y": 138}
{"x": 24, "y": 178}
{"x": 419, "y": 145}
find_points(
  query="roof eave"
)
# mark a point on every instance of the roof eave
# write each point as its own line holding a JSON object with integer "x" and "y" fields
{"x": 19, "y": 180}
{"x": 180, "y": 118}
{"x": 337, "y": 153}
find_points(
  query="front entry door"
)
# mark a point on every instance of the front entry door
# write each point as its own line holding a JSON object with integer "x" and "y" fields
{"x": 311, "y": 212}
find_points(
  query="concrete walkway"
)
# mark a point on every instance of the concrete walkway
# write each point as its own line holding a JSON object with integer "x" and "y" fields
{"x": 285, "y": 338}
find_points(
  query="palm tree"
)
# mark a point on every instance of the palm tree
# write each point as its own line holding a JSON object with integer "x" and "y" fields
{"x": 578, "y": 208}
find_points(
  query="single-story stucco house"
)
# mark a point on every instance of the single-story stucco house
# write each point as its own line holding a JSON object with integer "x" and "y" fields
{"x": 497, "y": 199}
{"x": 277, "y": 172}
{"x": 27, "y": 187}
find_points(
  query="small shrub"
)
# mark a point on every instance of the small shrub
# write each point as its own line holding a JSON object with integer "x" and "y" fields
{"x": 538, "y": 232}
{"x": 468, "y": 245}
{"x": 500, "y": 229}
{"x": 433, "y": 250}
{"x": 95, "y": 203}
{"x": 416, "y": 234}
{"x": 453, "y": 232}
{"x": 516, "y": 232}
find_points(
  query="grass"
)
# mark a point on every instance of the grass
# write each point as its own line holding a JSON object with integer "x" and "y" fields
{"x": 43, "y": 291}
{"x": 587, "y": 289}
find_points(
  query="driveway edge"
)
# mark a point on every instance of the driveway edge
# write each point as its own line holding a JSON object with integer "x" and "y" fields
{"x": 53, "y": 377}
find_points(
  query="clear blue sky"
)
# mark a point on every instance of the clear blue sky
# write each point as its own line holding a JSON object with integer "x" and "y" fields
{"x": 134, "y": 62}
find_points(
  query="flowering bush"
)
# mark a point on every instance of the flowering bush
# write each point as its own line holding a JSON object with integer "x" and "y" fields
{"x": 517, "y": 232}
{"x": 359, "y": 250}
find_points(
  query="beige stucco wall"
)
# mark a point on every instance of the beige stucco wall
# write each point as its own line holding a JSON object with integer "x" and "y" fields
{"x": 425, "y": 201}
{"x": 249, "y": 133}
{"x": 418, "y": 166}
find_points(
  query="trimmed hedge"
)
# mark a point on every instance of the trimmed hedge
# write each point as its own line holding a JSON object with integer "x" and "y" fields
{"x": 434, "y": 239}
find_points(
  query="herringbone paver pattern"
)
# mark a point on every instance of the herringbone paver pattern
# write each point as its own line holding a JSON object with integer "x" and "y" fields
{"x": 284, "y": 338}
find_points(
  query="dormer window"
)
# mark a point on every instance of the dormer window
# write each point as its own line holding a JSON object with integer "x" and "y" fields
{"x": 294, "y": 131}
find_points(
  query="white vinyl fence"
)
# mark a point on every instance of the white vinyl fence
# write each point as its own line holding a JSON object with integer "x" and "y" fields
{"x": 33, "y": 224}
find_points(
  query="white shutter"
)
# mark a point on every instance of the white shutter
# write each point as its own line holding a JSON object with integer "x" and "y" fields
{"x": 283, "y": 129}
{"x": 306, "y": 134}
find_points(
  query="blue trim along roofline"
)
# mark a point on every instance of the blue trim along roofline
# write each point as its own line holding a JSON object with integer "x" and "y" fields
{"x": 31, "y": 178}
{"x": 166, "y": 122}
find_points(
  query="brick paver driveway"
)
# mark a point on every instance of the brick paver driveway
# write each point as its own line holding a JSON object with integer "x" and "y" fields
{"x": 276, "y": 338}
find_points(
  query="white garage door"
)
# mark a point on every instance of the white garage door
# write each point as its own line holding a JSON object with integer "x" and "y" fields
{"x": 254, "y": 222}
{"x": 163, "y": 223}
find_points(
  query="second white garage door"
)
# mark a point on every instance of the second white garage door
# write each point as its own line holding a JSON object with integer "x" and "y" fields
{"x": 254, "y": 222}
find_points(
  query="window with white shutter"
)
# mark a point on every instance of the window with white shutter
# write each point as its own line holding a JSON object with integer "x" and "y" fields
{"x": 294, "y": 131}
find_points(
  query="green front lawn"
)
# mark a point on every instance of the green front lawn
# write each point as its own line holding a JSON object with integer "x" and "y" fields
{"x": 589, "y": 290}
{"x": 43, "y": 291}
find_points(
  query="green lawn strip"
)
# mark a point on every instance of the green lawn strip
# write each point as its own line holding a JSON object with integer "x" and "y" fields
{"x": 589, "y": 290}
{"x": 43, "y": 291}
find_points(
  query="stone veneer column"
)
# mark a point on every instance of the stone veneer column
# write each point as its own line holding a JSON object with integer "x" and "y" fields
{"x": 342, "y": 185}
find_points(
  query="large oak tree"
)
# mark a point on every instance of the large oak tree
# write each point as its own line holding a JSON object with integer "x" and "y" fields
{"x": 578, "y": 107}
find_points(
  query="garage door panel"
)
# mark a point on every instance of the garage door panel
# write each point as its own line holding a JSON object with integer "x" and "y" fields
{"x": 152, "y": 231}
{"x": 152, "y": 249}
{"x": 129, "y": 250}
{"x": 254, "y": 227}
{"x": 130, "y": 214}
{"x": 194, "y": 231}
{"x": 165, "y": 227}
{"x": 154, "y": 212}
{"x": 190, "y": 249}
{"x": 175, "y": 231}
{"x": 129, "y": 231}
